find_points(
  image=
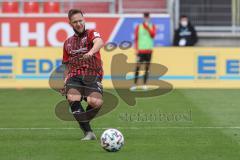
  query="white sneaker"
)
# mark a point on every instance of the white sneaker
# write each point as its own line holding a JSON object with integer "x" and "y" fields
{"x": 89, "y": 136}
{"x": 133, "y": 88}
{"x": 144, "y": 87}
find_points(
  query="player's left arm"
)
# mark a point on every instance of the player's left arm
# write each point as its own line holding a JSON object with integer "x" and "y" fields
{"x": 97, "y": 45}
{"x": 153, "y": 31}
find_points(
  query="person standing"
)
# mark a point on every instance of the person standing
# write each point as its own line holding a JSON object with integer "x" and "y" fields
{"x": 186, "y": 34}
{"x": 144, "y": 43}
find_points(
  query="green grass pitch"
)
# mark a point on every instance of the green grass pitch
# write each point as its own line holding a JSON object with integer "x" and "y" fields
{"x": 185, "y": 124}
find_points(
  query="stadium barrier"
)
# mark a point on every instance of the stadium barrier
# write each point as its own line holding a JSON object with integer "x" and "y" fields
{"x": 186, "y": 67}
{"x": 53, "y": 30}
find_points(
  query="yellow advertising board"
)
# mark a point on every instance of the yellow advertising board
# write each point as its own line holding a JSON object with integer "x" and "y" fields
{"x": 186, "y": 67}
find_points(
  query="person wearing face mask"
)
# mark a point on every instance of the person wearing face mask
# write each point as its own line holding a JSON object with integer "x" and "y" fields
{"x": 144, "y": 42}
{"x": 186, "y": 34}
{"x": 83, "y": 73}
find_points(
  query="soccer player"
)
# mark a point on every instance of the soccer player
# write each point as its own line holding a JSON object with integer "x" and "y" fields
{"x": 83, "y": 71}
{"x": 144, "y": 41}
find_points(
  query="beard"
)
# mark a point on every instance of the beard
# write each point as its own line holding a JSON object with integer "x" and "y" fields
{"x": 79, "y": 33}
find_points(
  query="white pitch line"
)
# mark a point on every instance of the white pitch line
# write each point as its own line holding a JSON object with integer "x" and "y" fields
{"x": 128, "y": 128}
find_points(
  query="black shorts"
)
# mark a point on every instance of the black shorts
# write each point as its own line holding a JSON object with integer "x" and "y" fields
{"x": 85, "y": 85}
{"x": 144, "y": 58}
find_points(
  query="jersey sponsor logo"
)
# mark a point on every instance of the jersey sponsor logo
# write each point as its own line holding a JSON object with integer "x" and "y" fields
{"x": 81, "y": 50}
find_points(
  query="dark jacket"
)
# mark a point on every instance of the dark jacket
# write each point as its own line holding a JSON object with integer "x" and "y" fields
{"x": 188, "y": 33}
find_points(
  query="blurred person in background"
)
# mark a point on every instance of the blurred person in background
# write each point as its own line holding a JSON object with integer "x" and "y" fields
{"x": 186, "y": 34}
{"x": 144, "y": 43}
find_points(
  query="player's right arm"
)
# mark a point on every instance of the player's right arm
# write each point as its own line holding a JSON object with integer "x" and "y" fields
{"x": 136, "y": 37}
{"x": 65, "y": 62}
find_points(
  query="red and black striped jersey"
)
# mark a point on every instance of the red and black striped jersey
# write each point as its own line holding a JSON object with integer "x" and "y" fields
{"x": 73, "y": 50}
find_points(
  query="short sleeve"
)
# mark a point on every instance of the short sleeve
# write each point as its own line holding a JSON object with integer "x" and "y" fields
{"x": 65, "y": 55}
{"x": 93, "y": 34}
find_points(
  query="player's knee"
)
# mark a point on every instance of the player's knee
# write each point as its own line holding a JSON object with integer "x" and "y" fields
{"x": 95, "y": 102}
{"x": 73, "y": 97}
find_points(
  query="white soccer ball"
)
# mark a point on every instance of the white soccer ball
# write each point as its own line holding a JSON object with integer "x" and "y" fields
{"x": 112, "y": 140}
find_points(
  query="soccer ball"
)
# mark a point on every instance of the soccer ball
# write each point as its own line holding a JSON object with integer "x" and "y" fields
{"x": 112, "y": 140}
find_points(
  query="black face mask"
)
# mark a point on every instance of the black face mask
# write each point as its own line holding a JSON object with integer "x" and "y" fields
{"x": 78, "y": 33}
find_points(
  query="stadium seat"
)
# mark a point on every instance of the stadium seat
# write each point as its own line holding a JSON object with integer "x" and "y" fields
{"x": 31, "y": 7}
{"x": 88, "y": 7}
{"x": 51, "y": 7}
{"x": 153, "y": 6}
{"x": 10, "y": 7}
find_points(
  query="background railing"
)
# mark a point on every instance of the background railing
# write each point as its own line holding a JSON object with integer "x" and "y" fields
{"x": 210, "y": 15}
